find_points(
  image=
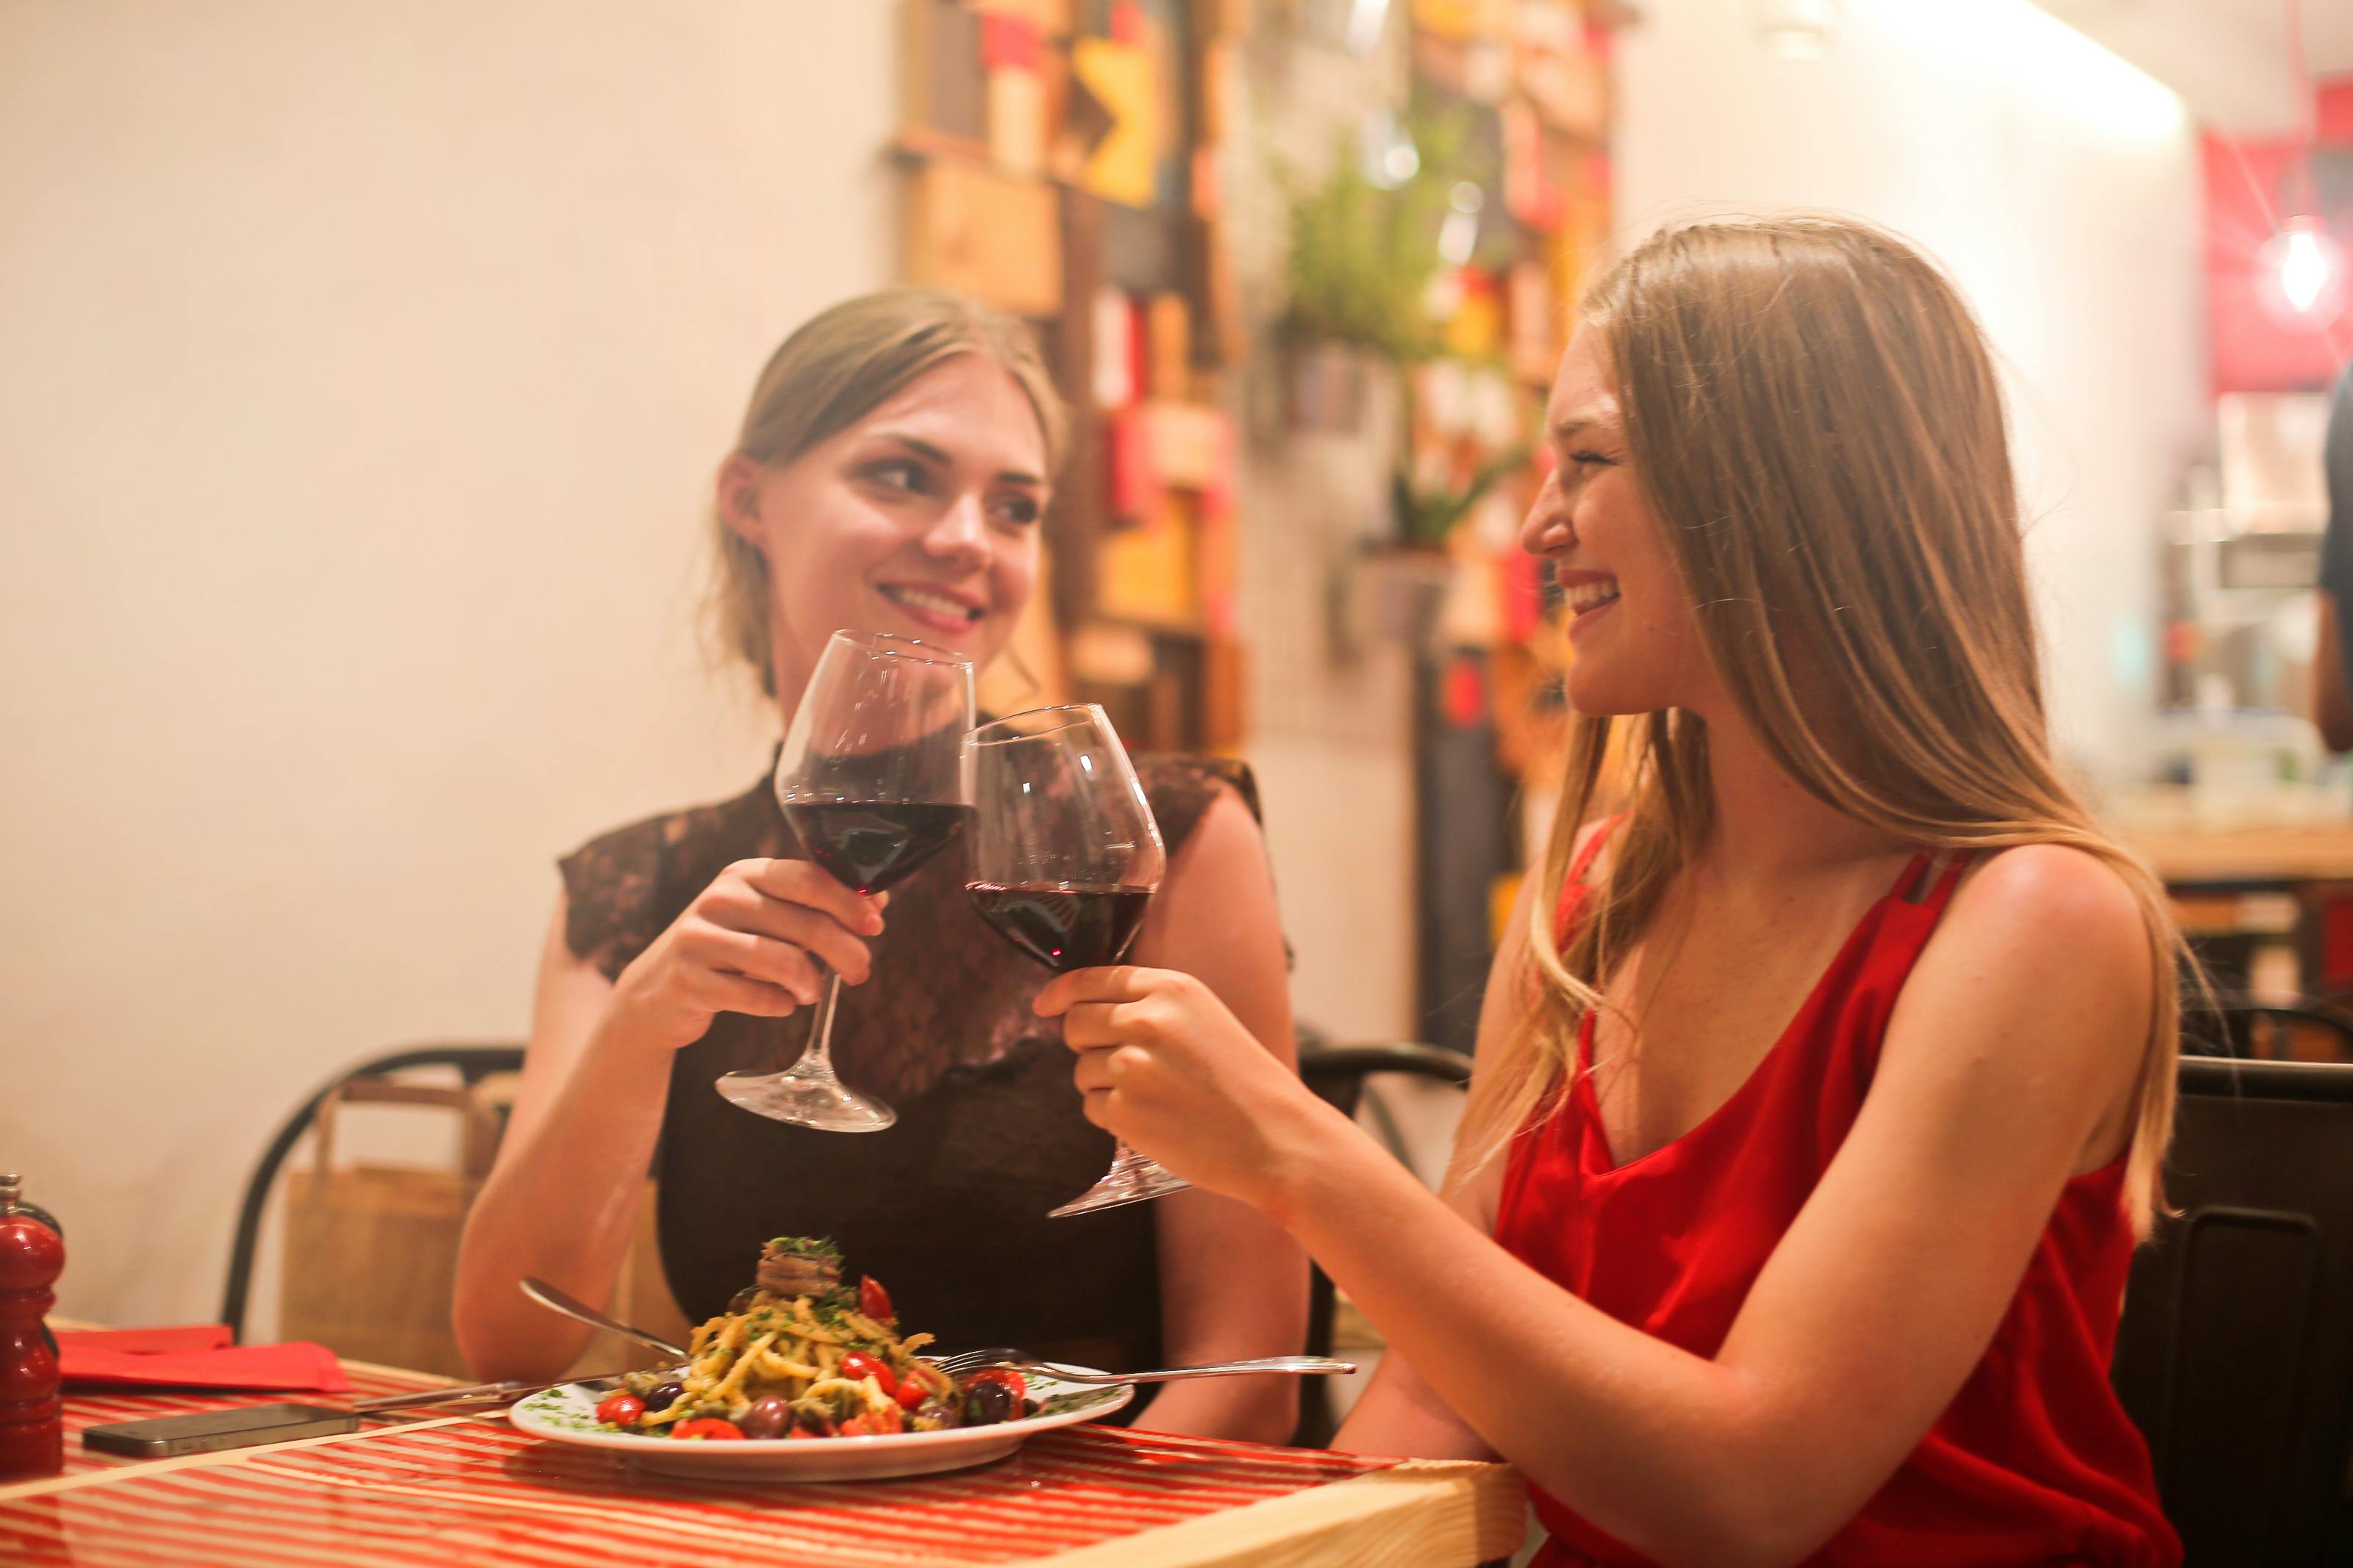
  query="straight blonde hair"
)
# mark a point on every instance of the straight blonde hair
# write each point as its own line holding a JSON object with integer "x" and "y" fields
{"x": 1817, "y": 424}
{"x": 838, "y": 367}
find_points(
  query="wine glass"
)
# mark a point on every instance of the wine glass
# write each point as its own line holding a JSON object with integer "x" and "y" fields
{"x": 871, "y": 779}
{"x": 1065, "y": 858}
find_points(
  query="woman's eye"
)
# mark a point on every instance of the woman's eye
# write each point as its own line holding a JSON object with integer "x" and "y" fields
{"x": 897, "y": 474}
{"x": 1019, "y": 508}
{"x": 1591, "y": 460}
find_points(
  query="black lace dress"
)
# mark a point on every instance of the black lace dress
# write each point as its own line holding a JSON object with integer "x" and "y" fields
{"x": 948, "y": 1207}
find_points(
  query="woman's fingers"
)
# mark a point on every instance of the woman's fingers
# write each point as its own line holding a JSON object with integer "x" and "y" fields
{"x": 1089, "y": 1026}
{"x": 741, "y": 994}
{"x": 783, "y": 964}
{"x": 750, "y": 911}
{"x": 799, "y": 882}
{"x": 1118, "y": 983}
{"x": 1109, "y": 1070}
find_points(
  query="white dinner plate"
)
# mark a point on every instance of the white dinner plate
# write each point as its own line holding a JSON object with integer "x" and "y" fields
{"x": 569, "y": 1415}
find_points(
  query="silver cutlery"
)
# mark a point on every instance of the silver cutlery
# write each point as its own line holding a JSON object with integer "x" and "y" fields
{"x": 1007, "y": 1356}
{"x": 468, "y": 1395}
{"x": 570, "y": 1306}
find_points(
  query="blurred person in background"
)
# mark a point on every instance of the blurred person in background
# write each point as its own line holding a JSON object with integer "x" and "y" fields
{"x": 1822, "y": 1088}
{"x": 2331, "y": 689}
{"x": 892, "y": 476}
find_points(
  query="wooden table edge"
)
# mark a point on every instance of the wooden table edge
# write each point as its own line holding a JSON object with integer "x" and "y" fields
{"x": 1482, "y": 1505}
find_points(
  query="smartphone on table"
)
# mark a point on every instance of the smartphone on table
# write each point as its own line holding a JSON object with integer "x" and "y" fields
{"x": 210, "y": 1431}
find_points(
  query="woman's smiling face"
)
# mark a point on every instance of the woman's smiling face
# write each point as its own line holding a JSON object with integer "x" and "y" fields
{"x": 1635, "y": 639}
{"x": 920, "y": 520}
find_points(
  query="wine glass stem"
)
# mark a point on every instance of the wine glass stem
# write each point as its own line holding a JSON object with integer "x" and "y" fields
{"x": 817, "y": 1057}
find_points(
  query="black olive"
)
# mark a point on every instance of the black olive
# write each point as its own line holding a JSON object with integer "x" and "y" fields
{"x": 945, "y": 1412}
{"x": 987, "y": 1403}
{"x": 662, "y": 1395}
{"x": 768, "y": 1417}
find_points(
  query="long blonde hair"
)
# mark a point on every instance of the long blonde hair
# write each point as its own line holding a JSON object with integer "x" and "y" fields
{"x": 838, "y": 366}
{"x": 1818, "y": 428}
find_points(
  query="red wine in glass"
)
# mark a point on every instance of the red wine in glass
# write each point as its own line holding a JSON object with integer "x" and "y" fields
{"x": 871, "y": 844}
{"x": 871, "y": 779}
{"x": 1065, "y": 858}
{"x": 1064, "y": 925}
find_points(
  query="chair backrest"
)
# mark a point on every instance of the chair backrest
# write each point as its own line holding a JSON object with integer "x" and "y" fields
{"x": 2306, "y": 1029}
{"x": 2235, "y": 1355}
{"x": 1337, "y": 1075}
{"x": 473, "y": 1063}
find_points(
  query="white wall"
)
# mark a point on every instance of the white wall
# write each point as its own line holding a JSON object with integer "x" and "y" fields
{"x": 2058, "y": 183}
{"x": 1331, "y": 719}
{"x": 365, "y": 367}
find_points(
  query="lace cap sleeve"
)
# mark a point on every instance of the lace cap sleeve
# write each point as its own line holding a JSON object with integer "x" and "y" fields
{"x": 1181, "y": 789}
{"x": 623, "y": 889}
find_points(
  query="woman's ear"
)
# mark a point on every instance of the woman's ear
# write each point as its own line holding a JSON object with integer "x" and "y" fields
{"x": 738, "y": 498}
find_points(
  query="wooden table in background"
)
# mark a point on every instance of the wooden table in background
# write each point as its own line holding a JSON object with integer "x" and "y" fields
{"x": 2257, "y": 855}
{"x": 442, "y": 1490}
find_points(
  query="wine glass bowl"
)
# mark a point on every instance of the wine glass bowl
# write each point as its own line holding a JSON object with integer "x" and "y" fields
{"x": 1065, "y": 858}
{"x": 870, "y": 779}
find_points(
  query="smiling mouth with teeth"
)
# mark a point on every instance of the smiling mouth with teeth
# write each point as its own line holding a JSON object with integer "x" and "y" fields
{"x": 1583, "y": 596}
{"x": 929, "y": 603}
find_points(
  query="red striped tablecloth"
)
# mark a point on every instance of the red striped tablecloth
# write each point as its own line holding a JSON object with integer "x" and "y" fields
{"x": 99, "y": 1408}
{"x": 454, "y": 1491}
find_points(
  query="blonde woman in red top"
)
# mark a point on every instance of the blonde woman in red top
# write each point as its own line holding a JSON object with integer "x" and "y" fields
{"x": 1824, "y": 1077}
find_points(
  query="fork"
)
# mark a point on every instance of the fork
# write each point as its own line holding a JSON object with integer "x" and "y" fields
{"x": 1006, "y": 1355}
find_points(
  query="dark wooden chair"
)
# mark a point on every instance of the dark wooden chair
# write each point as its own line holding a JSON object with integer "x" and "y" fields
{"x": 2306, "y": 1029}
{"x": 473, "y": 1063}
{"x": 2235, "y": 1355}
{"x": 1337, "y": 1074}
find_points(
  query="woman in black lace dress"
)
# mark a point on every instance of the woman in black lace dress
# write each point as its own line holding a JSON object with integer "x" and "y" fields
{"x": 893, "y": 469}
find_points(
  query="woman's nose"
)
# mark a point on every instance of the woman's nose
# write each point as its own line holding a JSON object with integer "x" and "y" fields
{"x": 960, "y": 532}
{"x": 1547, "y": 528}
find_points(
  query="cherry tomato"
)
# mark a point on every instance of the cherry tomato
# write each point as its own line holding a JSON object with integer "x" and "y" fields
{"x": 872, "y": 1299}
{"x": 857, "y": 1364}
{"x": 875, "y": 1423}
{"x": 1013, "y": 1382}
{"x": 621, "y": 1409}
{"x": 710, "y": 1428}
{"x": 913, "y": 1392}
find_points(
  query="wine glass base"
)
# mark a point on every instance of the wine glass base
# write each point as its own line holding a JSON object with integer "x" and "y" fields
{"x": 1127, "y": 1182}
{"x": 825, "y": 1103}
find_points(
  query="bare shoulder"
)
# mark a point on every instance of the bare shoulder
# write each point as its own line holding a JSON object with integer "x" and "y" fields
{"x": 2051, "y": 904}
{"x": 2036, "y": 990}
{"x": 1225, "y": 843}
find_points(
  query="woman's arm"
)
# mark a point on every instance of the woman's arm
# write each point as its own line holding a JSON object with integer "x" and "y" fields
{"x": 1398, "y": 1412}
{"x": 560, "y": 1199}
{"x": 2009, "y": 1064}
{"x": 1232, "y": 1284}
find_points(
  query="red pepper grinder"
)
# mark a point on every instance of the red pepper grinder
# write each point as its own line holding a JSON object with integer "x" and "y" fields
{"x": 32, "y": 1416}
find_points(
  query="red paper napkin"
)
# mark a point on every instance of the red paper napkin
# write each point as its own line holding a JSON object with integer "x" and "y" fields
{"x": 197, "y": 1356}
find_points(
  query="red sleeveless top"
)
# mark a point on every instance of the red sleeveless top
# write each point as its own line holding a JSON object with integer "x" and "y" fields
{"x": 2033, "y": 1462}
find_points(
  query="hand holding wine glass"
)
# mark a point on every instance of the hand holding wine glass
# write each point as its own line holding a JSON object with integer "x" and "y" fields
{"x": 1065, "y": 859}
{"x": 870, "y": 779}
{"x": 1167, "y": 1067}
